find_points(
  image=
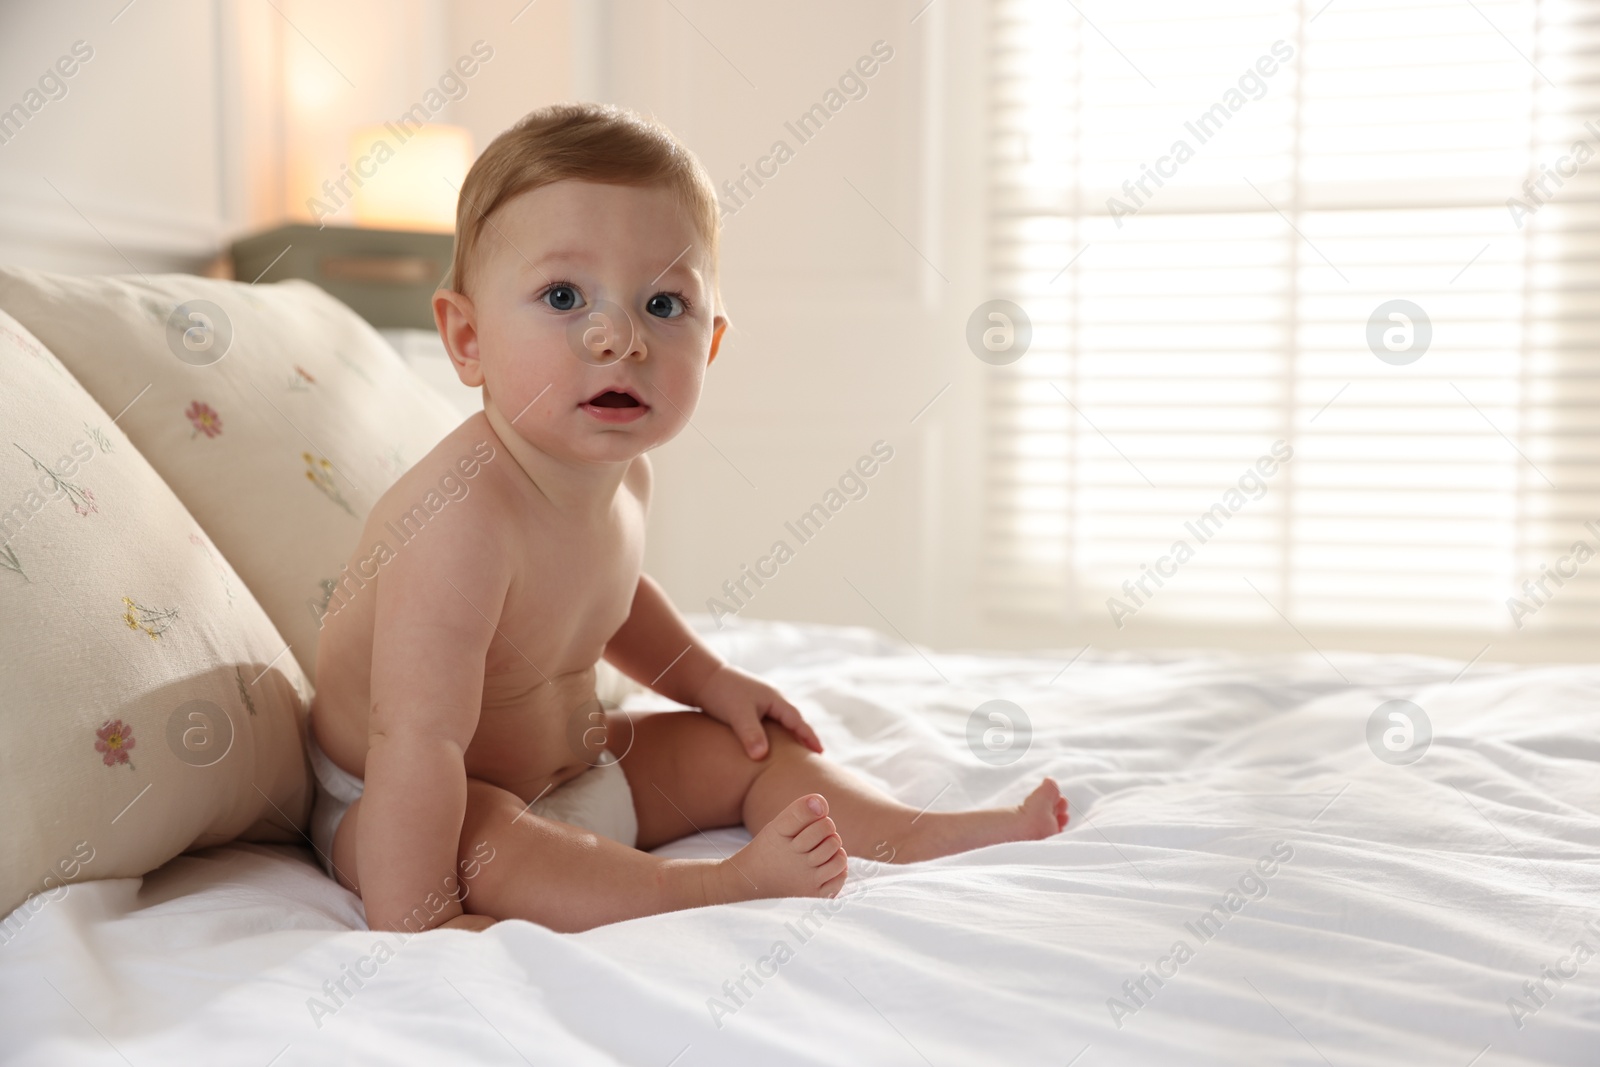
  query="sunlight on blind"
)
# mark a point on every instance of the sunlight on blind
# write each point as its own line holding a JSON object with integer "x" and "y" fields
{"x": 1238, "y": 190}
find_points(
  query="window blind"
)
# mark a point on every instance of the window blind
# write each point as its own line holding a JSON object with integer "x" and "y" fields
{"x": 1207, "y": 212}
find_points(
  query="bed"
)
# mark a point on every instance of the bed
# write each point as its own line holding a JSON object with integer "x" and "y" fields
{"x": 1334, "y": 907}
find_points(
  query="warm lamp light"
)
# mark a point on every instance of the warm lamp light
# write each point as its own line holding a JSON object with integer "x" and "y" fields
{"x": 409, "y": 175}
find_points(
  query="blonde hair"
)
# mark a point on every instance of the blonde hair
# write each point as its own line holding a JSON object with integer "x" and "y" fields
{"x": 587, "y": 142}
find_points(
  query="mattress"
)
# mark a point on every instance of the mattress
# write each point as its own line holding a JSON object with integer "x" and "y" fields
{"x": 1251, "y": 875}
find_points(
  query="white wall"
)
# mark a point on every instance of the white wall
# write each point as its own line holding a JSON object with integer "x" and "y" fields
{"x": 67, "y": 173}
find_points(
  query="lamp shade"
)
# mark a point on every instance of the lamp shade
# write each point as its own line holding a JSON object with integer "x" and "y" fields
{"x": 409, "y": 175}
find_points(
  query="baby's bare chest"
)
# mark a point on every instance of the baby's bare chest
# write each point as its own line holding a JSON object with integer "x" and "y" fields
{"x": 571, "y": 589}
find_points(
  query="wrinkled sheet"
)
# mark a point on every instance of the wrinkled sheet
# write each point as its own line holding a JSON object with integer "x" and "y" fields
{"x": 1410, "y": 922}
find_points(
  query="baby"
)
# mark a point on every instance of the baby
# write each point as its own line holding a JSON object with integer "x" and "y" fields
{"x": 467, "y": 771}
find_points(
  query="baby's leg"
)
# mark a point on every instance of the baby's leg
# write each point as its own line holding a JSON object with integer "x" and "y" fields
{"x": 689, "y": 772}
{"x": 879, "y": 827}
{"x": 517, "y": 865}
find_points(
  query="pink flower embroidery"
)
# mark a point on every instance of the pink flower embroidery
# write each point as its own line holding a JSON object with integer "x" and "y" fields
{"x": 205, "y": 419}
{"x": 82, "y": 499}
{"x": 115, "y": 741}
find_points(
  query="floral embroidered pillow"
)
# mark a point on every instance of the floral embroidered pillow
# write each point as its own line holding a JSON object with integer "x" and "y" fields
{"x": 149, "y": 704}
{"x": 275, "y": 413}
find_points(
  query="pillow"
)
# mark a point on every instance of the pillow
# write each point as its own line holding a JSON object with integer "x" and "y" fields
{"x": 147, "y": 708}
{"x": 275, "y": 413}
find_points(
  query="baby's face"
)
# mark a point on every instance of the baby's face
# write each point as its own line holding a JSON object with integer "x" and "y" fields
{"x": 594, "y": 318}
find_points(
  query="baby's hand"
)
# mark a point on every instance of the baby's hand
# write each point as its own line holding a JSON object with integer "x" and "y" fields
{"x": 742, "y": 700}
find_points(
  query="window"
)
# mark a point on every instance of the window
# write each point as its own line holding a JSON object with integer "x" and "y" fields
{"x": 1209, "y": 214}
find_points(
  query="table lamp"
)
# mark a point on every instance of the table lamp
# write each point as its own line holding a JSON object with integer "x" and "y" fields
{"x": 400, "y": 186}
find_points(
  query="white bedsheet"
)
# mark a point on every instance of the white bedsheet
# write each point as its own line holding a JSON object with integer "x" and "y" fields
{"x": 1417, "y": 903}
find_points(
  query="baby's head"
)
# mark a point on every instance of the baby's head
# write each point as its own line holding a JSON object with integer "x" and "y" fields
{"x": 583, "y": 294}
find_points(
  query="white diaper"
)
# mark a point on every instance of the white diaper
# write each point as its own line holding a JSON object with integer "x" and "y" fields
{"x": 598, "y": 800}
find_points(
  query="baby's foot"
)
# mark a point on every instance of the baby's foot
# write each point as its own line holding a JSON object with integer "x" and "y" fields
{"x": 1045, "y": 811}
{"x": 933, "y": 834}
{"x": 797, "y": 854}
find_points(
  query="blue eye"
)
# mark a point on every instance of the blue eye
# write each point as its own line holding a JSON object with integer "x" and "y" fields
{"x": 661, "y": 305}
{"x": 561, "y": 297}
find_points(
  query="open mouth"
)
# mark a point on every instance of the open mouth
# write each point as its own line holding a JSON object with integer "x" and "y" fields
{"x": 613, "y": 399}
{"x": 615, "y": 406}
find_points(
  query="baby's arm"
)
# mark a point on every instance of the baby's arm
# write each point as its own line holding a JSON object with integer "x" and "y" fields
{"x": 653, "y": 637}
{"x": 436, "y": 606}
{"x": 656, "y": 648}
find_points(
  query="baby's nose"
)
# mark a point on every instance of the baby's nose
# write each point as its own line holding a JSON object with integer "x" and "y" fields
{"x": 605, "y": 335}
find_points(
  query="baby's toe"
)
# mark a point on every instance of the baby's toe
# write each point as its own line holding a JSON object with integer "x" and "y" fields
{"x": 826, "y": 850}
{"x": 833, "y": 870}
{"x": 812, "y": 835}
{"x": 800, "y": 814}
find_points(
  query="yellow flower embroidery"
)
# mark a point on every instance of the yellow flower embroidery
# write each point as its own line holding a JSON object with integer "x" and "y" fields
{"x": 319, "y": 473}
{"x": 151, "y": 620}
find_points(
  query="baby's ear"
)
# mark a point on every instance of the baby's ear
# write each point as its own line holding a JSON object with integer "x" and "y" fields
{"x": 455, "y": 316}
{"x": 720, "y": 324}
